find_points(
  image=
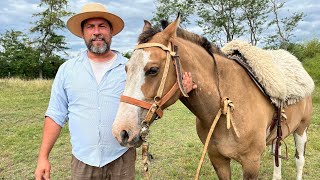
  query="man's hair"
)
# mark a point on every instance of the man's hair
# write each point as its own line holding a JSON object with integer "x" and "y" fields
{"x": 84, "y": 21}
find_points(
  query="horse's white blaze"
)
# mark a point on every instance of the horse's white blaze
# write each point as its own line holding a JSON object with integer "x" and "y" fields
{"x": 300, "y": 147}
{"x": 276, "y": 170}
{"x": 136, "y": 73}
{"x": 135, "y": 79}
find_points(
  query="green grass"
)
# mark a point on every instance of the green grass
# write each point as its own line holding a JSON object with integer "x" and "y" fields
{"x": 173, "y": 142}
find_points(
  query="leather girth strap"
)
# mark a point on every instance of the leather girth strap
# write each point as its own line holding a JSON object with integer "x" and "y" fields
{"x": 278, "y": 117}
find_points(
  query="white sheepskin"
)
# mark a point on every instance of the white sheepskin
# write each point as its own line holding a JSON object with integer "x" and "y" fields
{"x": 280, "y": 73}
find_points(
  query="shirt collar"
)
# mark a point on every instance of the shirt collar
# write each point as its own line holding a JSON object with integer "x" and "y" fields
{"x": 120, "y": 59}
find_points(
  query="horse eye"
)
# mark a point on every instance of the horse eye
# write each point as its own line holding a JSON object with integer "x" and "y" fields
{"x": 152, "y": 71}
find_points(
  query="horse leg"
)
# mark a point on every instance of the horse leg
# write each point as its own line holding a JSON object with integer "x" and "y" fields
{"x": 276, "y": 170}
{"x": 300, "y": 141}
{"x": 221, "y": 165}
{"x": 250, "y": 165}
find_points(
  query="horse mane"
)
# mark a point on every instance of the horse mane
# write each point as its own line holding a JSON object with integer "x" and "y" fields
{"x": 182, "y": 33}
{"x": 195, "y": 38}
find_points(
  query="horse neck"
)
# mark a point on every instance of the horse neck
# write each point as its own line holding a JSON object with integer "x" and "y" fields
{"x": 196, "y": 60}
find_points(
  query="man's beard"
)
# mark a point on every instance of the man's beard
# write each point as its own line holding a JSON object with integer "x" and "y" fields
{"x": 98, "y": 49}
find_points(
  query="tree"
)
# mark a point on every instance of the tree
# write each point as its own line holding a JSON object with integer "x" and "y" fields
{"x": 220, "y": 19}
{"x": 127, "y": 54}
{"x": 224, "y": 21}
{"x": 48, "y": 42}
{"x": 284, "y": 26}
{"x": 255, "y": 13}
{"x": 17, "y": 57}
{"x": 167, "y": 9}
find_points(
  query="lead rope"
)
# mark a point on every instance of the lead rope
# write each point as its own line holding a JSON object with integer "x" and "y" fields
{"x": 144, "y": 133}
{"x": 145, "y": 155}
{"x": 226, "y": 110}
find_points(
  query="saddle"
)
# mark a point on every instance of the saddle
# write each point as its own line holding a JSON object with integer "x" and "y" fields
{"x": 280, "y": 77}
{"x": 279, "y": 74}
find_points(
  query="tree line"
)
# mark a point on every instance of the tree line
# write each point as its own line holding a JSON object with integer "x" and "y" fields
{"x": 258, "y": 21}
{"x": 39, "y": 56}
{"x": 221, "y": 21}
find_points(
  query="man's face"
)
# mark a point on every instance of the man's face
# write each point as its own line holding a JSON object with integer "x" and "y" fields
{"x": 97, "y": 35}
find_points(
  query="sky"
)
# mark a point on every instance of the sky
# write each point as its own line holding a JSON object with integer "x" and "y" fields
{"x": 17, "y": 15}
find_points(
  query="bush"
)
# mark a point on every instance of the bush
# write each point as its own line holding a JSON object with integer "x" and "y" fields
{"x": 312, "y": 65}
{"x": 306, "y": 50}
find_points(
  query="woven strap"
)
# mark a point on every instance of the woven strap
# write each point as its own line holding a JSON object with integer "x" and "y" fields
{"x": 148, "y": 45}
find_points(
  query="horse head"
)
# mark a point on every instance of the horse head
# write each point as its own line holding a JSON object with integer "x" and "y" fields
{"x": 151, "y": 78}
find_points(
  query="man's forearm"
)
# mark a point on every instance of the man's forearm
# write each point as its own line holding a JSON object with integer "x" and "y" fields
{"x": 51, "y": 131}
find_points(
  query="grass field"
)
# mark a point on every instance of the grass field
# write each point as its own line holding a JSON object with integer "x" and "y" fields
{"x": 174, "y": 143}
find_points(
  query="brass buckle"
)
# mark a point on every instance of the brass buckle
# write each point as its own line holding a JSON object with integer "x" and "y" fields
{"x": 150, "y": 113}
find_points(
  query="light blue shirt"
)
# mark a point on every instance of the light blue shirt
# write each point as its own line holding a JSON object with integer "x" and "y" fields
{"x": 89, "y": 107}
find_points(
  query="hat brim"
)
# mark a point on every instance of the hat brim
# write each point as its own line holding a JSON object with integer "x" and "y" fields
{"x": 74, "y": 23}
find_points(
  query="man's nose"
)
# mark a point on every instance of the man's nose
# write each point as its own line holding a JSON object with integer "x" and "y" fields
{"x": 96, "y": 30}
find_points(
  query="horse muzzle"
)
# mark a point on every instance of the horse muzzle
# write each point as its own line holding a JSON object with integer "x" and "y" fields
{"x": 128, "y": 139}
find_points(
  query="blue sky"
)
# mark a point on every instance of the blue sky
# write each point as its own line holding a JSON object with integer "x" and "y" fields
{"x": 17, "y": 15}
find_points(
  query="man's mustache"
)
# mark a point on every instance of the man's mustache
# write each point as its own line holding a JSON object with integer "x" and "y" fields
{"x": 97, "y": 37}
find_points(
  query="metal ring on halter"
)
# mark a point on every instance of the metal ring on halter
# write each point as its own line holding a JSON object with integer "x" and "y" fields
{"x": 157, "y": 100}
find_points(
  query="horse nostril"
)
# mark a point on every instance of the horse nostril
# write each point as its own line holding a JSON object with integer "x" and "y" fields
{"x": 124, "y": 136}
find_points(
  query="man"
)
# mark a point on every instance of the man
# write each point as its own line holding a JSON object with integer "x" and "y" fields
{"x": 86, "y": 91}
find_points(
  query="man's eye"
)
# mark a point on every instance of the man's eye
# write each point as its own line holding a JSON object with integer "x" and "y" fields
{"x": 152, "y": 71}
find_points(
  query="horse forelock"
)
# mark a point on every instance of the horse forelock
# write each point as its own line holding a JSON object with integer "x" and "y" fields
{"x": 146, "y": 35}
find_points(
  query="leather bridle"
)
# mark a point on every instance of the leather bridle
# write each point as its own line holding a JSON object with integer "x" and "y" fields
{"x": 154, "y": 108}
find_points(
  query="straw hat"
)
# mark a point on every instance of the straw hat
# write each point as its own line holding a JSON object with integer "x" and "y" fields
{"x": 94, "y": 10}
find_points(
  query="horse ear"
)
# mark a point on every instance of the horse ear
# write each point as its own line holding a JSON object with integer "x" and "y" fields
{"x": 147, "y": 25}
{"x": 171, "y": 29}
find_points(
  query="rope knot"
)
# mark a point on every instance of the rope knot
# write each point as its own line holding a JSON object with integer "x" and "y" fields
{"x": 227, "y": 109}
{"x": 227, "y": 106}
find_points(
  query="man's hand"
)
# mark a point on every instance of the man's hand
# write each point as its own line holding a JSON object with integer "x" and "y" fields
{"x": 43, "y": 169}
{"x": 51, "y": 131}
{"x": 187, "y": 83}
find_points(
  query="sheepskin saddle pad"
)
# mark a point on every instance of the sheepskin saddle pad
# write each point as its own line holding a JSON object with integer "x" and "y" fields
{"x": 280, "y": 73}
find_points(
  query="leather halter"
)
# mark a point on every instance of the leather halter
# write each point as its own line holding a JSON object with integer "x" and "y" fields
{"x": 155, "y": 109}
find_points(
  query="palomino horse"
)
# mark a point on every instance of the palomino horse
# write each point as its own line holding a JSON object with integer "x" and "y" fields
{"x": 217, "y": 77}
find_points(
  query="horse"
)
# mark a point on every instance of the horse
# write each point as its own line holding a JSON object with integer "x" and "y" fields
{"x": 217, "y": 78}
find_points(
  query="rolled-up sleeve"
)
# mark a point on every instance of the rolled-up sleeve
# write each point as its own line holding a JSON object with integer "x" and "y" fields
{"x": 58, "y": 104}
